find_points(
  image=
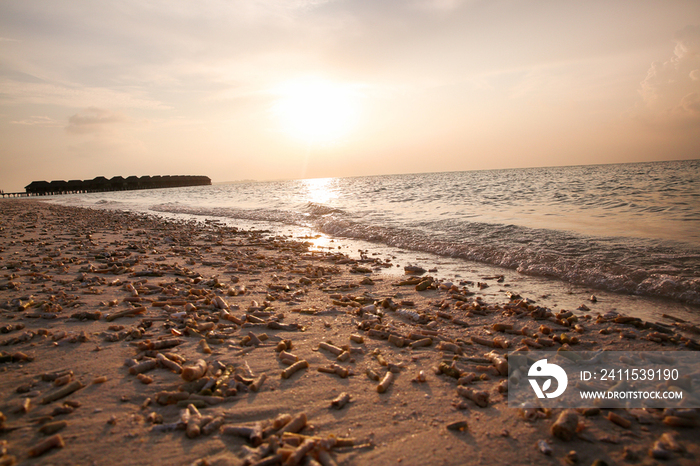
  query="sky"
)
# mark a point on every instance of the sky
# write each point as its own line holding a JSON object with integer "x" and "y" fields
{"x": 280, "y": 89}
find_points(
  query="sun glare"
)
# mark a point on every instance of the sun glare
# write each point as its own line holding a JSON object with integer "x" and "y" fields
{"x": 315, "y": 110}
{"x": 320, "y": 190}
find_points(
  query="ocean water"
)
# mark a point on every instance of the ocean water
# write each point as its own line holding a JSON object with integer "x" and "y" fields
{"x": 628, "y": 229}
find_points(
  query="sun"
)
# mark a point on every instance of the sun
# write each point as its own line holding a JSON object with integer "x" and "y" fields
{"x": 316, "y": 110}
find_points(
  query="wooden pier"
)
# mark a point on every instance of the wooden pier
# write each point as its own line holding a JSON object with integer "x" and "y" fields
{"x": 102, "y": 184}
{"x": 4, "y": 195}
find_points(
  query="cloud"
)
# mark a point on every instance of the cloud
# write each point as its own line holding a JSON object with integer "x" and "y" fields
{"x": 43, "y": 93}
{"x": 94, "y": 121}
{"x": 37, "y": 121}
{"x": 670, "y": 90}
{"x": 109, "y": 154}
{"x": 438, "y": 5}
{"x": 688, "y": 42}
{"x": 691, "y": 104}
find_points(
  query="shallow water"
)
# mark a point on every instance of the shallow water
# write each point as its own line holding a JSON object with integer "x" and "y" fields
{"x": 628, "y": 229}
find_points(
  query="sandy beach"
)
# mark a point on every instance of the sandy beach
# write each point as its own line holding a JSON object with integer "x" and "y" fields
{"x": 127, "y": 339}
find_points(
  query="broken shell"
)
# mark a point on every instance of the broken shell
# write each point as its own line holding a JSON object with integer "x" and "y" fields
{"x": 281, "y": 421}
{"x": 531, "y": 343}
{"x": 466, "y": 378}
{"x": 500, "y": 342}
{"x": 288, "y": 358}
{"x": 529, "y": 413}
{"x": 413, "y": 315}
{"x": 480, "y": 397}
{"x": 386, "y": 382}
{"x": 205, "y": 346}
{"x": 175, "y": 357}
{"x": 449, "y": 370}
{"x": 257, "y": 383}
{"x": 254, "y": 433}
{"x": 501, "y": 327}
{"x": 166, "y": 398}
{"x": 662, "y": 449}
{"x": 499, "y": 362}
{"x": 619, "y": 420}
{"x": 168, "y": 363}
{"x": 458, "y": 425}
{"x": 658, "y": 451}
{"x": 565, "y": 426}
{"x": 25, "y": 406}
{"x": 128, "y": 362}
{"x": 213, "y": 425}
{"x": 62, "y": 392}
{"x": 397, "y": 341}
{"x": 194, "y": 421}
{"x": 253, "y": 339}
{"x": 395, "y": 368}
{"x": 482, "y": 341}
{"x": 143, "y": 366}
{"x": 295, "y": 425}
{"x": 287, "y": 373}
{"x": 335, "y": 369}
{"x": 451, "y": 347}
{"x": 588, "y": 412}
{"x": 679, "y": 421}
{"x": 51, "y": 376}
{"x": 421, "y": 343}
{"x": 195, "y": 371}
{"x": 126, "y": 313}
{"x": 55, "y": 441}
{"x": 332, "y": 348}
{"x": 670, "y": 442}
{"x": 219, "y": 302}
{"x": 209, "y": 400}
{"x": 52, "y": 427}
{"x": 544, "y": 448}
{"x": 340, "y": 401}
{"x": 372, "y": 374}
{"x": 572, "y": 457}
{"x": 300, "y": 452}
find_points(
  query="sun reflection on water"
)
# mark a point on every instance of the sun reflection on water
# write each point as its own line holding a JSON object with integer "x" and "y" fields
{"x": 321, "y": 190}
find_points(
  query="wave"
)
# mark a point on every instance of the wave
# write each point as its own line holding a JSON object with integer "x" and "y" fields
{"x": 107, "y": 202}
{"x": 315, "y": 209}
{"x": 600, "y": 268}
{"x": 623, "y": 265}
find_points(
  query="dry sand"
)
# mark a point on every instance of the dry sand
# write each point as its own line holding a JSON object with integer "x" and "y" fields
{"x": 67, "y": 273}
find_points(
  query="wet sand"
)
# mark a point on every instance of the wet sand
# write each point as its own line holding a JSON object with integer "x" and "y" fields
{"x": 110, "y": 307}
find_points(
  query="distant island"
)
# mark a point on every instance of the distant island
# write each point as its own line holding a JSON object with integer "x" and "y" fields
{"x": 117, "y": 183}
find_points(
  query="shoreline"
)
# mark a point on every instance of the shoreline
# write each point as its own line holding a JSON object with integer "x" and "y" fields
{"x": 549, "y": 291}
{"x": 633, "y": 263}
{"x": 68, "y": 273}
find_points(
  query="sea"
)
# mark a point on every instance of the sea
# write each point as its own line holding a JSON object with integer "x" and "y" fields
{"x": 628, "y": 234}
